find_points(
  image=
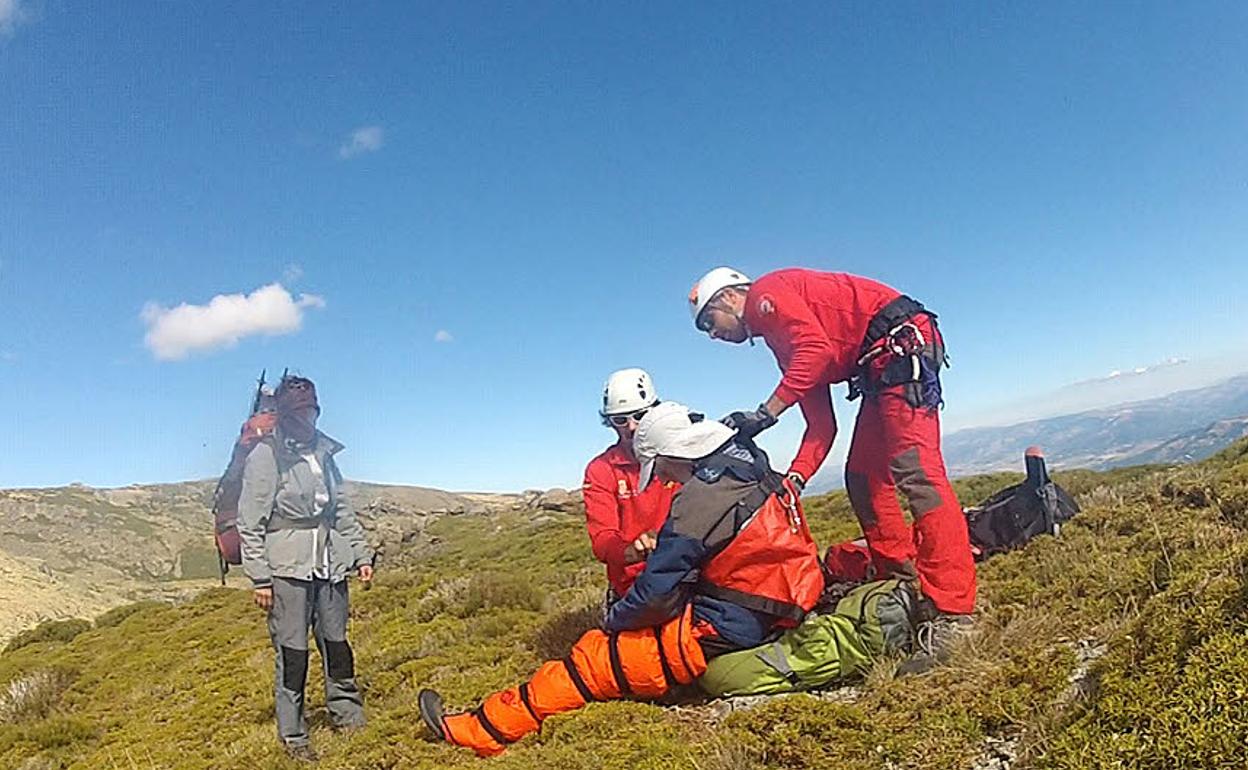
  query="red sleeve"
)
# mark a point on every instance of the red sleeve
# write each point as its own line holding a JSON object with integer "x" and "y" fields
{"x": 602, "y": 514}
{"x": 820, "y": 432}
{"x": 795, "y": 334}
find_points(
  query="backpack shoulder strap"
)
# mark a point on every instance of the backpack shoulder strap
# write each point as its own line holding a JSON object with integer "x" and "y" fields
{"x": 773, "y": 655}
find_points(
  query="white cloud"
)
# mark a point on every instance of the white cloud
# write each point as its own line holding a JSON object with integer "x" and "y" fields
{"x": 11, "y": 14}
{"x": 175, "y": 332}
{"x": 292, "y": 273}
{"x": 363, "y": 139}
{"x": 442, "y": 335}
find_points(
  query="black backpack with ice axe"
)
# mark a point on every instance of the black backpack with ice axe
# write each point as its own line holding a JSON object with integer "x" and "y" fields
{"x": 1018, "y": 513}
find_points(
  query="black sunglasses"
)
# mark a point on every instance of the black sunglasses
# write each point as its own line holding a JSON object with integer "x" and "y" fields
{"x": 620, "y": 420}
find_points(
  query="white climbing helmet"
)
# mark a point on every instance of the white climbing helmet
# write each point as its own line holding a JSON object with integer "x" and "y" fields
{"x": 628, "y": 391}
{"x": 710, "y": 284}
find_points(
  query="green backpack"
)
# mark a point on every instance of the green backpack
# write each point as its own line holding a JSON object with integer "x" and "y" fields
{"x": 871, "y": 620}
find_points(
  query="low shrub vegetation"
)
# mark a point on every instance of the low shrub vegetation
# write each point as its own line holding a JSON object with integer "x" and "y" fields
{"x": 1150, "y": 578}
{"x": 115, "y": 616}
{"x": 49, "y": 631}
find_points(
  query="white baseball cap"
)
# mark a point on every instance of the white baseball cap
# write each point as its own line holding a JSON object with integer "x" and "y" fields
{"x": 670, "y": 430}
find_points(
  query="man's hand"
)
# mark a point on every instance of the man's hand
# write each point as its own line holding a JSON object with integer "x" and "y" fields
{"x": 640, "y": 548}
{"x": 263, "y": 597}
{"x": 799, "y": 481}
{"x": 366, "y": 573}
{"x": 750, "y": 424}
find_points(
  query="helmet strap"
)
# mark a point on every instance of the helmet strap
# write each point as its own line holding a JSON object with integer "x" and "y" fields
{"x": 718, "y": 304}
{"x": 749, "y": 335}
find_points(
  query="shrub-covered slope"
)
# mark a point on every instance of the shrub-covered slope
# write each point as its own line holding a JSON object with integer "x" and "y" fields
{"x": 75, "y": 550}
{"x": 153, "y": 532}
{"x": 1123, "y": 644}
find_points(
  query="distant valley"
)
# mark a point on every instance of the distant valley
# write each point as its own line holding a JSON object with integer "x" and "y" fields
{"x": 1181, "y": 427}
{"x": 76, "y": 551}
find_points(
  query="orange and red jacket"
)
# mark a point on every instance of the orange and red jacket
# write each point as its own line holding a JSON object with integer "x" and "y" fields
{"x": 814, "y": 322}
{"x": 616, "y": 513}
{"x": 738, "y": 551}
{"x": 772, "y": 565}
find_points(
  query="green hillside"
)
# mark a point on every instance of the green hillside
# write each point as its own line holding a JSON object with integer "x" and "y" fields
{"x": 1123, "y": 644}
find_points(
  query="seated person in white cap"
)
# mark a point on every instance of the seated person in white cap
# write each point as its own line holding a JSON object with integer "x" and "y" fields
{"x": 734, "y": 564}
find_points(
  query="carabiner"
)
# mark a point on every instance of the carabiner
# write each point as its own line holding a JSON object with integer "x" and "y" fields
{"x": 789, "y": 501}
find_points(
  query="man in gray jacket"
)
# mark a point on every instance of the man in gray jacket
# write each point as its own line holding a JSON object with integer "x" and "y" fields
{"x": 300, "y": 540}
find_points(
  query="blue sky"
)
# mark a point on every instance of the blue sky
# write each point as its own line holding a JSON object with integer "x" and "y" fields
{"x": 1063, "y": 182}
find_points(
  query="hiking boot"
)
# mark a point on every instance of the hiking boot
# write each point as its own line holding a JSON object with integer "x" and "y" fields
{"x": 301, "y": 752}
{"x": 430, "y": 704}
{"x": 347, "y": 728}
{"x": 934, "y": 640}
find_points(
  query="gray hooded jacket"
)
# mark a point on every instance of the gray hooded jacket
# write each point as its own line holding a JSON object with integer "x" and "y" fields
{"x": 282, "y": 528}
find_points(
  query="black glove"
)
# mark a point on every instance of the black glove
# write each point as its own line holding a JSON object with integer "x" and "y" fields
{"x": 750, "y": 424}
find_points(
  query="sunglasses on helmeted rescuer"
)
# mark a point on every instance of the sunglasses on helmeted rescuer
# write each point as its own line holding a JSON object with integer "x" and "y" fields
{"x": 620, "y": 420}
{"x": 704, "y": 322}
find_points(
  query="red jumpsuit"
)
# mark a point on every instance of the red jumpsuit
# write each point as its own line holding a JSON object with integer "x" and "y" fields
{"x": 616, "y": 513}
{"x": 815, "y": 322}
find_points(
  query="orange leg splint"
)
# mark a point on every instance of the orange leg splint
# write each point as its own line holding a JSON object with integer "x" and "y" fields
{"x": 631, "y": 664}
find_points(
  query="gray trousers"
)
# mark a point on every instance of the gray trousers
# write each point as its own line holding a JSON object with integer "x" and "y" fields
{"x": 322, "y": 606}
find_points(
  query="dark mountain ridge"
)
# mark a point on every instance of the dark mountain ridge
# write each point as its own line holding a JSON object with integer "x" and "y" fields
{"x": 1183, "y": 426}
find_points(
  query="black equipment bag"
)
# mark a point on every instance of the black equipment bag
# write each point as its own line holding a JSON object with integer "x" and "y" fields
{"x": 1018, "y": 513}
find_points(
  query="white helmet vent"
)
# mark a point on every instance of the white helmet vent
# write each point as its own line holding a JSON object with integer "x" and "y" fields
{"x": 627, "y": 391}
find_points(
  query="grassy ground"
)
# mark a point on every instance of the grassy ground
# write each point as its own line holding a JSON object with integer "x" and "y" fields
{"x": 1153, "y": 572}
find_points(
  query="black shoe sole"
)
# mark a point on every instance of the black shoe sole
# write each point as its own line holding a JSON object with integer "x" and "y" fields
{"x": 431, "y": 710}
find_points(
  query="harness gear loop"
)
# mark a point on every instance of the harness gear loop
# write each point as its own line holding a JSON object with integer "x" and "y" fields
{"x": 916, "y": 360}
{"x": 906, "y": 339}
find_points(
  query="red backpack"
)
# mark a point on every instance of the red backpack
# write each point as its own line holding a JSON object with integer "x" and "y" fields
{"x": 225, "y": 499}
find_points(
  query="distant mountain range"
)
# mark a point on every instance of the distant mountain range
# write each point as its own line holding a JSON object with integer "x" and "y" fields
{"x": 1197, "y": 444}
{"x": 1181, "y": 427}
